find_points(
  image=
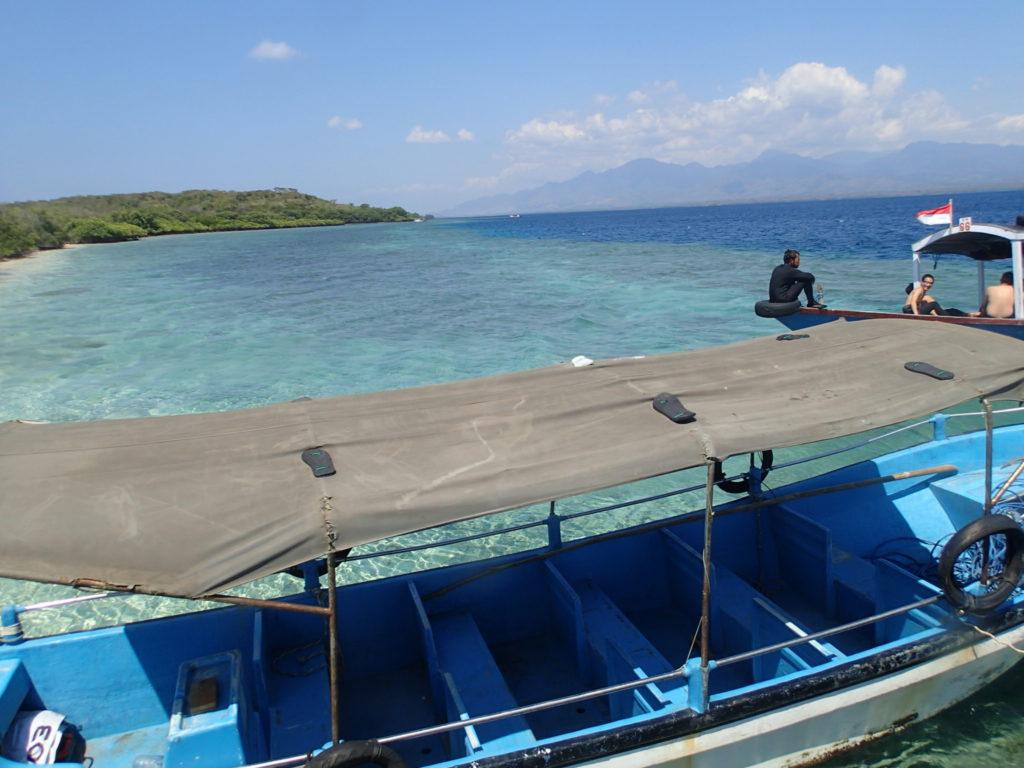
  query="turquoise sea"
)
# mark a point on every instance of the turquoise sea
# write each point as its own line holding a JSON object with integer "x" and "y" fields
{"x": 221, "y": 321}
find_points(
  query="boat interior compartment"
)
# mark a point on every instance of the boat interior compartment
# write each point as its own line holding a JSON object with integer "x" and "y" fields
{"x": 243, "y": 684}
{"x": 619, "y": 611}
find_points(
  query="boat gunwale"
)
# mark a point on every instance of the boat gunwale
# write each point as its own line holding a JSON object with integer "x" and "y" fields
{"x": 859, "y": 314}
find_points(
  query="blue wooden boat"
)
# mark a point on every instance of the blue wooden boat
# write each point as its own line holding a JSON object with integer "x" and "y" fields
{"x": 982, "y": 243}
{"x": 759, "y": 625}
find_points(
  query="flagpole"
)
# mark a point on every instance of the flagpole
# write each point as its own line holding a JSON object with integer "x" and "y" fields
{"x": 951, "y": 214}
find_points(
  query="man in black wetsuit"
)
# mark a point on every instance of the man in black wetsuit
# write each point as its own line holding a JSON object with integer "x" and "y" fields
{"x": 788, "y": 282}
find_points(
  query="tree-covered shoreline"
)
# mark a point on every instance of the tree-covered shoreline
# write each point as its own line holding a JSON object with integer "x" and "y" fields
{"x": 39, "y": 225}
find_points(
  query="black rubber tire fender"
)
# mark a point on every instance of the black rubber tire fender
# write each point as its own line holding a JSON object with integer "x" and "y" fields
{"x": 350, "y": 754}
{"x": 776, "y": 308}
{"x": 321, "y": 565}
{"x": 742, "y": 486}
{"x": 962, "y": 540}
{"x": 298, "y": 573}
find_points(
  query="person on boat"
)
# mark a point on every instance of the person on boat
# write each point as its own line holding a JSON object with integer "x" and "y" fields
{"x": 998, "y": 299}
{"x": 918, "y": 300}
{"x": 920, "y": 303}
{"x": 788, "y": 282}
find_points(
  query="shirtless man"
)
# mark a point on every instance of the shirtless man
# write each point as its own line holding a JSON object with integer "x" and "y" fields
{"x": 998, "y": 300}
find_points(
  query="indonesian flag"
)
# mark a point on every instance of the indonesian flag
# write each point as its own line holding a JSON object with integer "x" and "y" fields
{"x": 943, "y": 215}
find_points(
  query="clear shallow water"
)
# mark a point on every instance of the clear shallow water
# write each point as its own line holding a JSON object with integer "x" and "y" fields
{"x": 230, "y": 320}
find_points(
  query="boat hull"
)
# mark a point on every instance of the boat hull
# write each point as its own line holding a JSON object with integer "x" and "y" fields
{"x": 814, "y": 730}
{"x": 808, "y": 318}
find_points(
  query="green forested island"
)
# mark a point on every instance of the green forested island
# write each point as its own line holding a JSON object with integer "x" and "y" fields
{"x": 27, "y": 227}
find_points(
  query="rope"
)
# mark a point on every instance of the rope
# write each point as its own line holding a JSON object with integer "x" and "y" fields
{"x": 693, "y": 641}
{"x": 1003, "y": 643}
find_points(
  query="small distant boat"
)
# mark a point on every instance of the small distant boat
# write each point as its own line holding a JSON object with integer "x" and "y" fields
{"x": 513, "y": 215}
{"x": 771, "y": 627}
{"x": 983, "y": 243}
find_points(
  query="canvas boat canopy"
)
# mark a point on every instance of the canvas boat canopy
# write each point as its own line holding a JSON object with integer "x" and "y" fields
{"x": 982, "y": 242}
{"x": 191, "y": 505}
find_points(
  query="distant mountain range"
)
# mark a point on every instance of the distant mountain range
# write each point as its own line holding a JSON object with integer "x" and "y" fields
{"x": 919, "y": 168}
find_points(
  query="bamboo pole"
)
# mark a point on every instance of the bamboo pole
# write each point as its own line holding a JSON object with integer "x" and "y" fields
{"x": 271, "y": 604}
{"x": 939, "y": 469}
{"x": 256, "y": 602}
{"x": 1009, "y": 481}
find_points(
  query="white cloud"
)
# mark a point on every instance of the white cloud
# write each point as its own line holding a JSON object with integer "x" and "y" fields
{"x": 268, "y": 49}
{"x": 344, "y": 123}
{"x": 550, "y": 132}
{"x": 418, "y": 136}
{"x": 1013, "y": 123}
{"x": 888, "y": 80}
{"x": 810, "y": 108}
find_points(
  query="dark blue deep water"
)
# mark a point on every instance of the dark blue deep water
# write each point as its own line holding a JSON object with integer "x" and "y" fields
{"x": 231, "y": 320}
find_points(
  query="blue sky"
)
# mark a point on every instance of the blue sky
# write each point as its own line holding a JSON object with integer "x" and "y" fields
{"x": 426, "y": 105}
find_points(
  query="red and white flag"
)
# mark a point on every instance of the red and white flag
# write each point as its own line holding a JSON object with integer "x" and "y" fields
{"x": 943, "y": 215}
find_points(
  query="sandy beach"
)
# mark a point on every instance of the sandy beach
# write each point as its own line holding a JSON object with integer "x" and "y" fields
{"x": 7, "y": 262}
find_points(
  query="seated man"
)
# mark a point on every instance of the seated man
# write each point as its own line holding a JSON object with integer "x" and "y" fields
{"x": 920, "y": 303}
{"x": 787, "y": 282}
{"x": 918, "y": 300}
{"x": 998, "y": 299}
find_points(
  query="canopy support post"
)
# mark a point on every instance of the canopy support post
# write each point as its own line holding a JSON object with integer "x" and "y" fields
{"x": 332, "y": 644}
{"x": 988, "y": 486}
{"x": 981, "y": 282}
{"x": 987, "y": 406}
{"x": 705, "y": 607}
{"x": 1017, "y": 259}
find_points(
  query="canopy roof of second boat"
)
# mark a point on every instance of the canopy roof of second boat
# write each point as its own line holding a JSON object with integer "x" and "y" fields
{"x": 983, "y": 242}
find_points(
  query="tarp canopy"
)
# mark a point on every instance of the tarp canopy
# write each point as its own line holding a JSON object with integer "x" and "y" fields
{"x": 191, "y": 505}
{"x": 983, "y": 242}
